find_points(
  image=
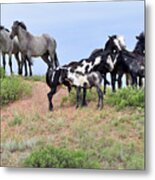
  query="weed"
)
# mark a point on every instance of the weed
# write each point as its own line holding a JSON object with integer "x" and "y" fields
{"x": 17, "y": 120}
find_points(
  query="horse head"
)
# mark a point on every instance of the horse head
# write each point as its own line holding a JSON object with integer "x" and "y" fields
{"x": 140, "y": 45}
{"x": 115, "y": 43}
{"x": 15, "y": 27}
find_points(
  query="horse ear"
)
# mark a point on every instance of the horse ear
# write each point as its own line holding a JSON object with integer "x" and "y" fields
{"x": 137, "y": 37}
{"x": 109, "y": 37}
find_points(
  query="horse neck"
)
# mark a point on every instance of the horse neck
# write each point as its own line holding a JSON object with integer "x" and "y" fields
{"x": 6, "y": 42}
{"x": 22, "y": 35}
{"x": 5, "y": 36}
{"x": 138, "y": 49}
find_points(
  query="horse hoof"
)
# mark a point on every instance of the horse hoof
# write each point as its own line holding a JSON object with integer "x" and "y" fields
{"x": 84, "y": 104}
{"x": 50, "y": 109}
{"x": 77, "y": 106}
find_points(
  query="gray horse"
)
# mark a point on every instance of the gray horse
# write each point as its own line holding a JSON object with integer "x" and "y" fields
{"x": 34, "y": 46}
{"x": 8, "y": 46}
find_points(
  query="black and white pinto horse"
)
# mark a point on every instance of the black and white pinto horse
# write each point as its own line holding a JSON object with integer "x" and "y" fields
{"x": 132, "y": 63}
{"x": 71, "y": 76}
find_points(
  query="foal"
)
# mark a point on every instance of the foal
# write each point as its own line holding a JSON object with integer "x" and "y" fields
{"x": 80, "y": 80}
{"x": 63, "y": 75}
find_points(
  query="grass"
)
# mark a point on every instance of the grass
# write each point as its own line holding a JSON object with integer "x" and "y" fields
{"x": 53, "y": 157}
{"x": 125, "y": 97}
{"x": 71, "y": 98}
{"x": 13, "y": 88}
{"x": 111, "y": 138}
{"x": 36, "y": 78}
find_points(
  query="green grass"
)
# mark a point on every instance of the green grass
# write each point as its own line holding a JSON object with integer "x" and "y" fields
{"x": 17, "y": 120}
{"x": 82, "y": 138}
{"x": 126, "y": 97}
{"x": 53, "y": 157}
{"x": 13, "y": 88}
{"x": 2, "y": 73}
{"x": 36, "y": 78}
{"x": 71, "y": 98}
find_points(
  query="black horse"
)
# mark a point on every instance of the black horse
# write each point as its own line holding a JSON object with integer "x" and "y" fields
{"x": 113, "y": 46}
{"x": 132, "y": 63}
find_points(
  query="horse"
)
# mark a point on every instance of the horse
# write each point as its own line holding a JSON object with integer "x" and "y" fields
{"x": 139, "y": 51}
{"x": 131, "y": 63}
{"x": 80, "y": 80}
{"x": 54, "y": 76}
{"x": 42, "y": 46}
{"x": 113, "y": 45}
{"x": 8, "y": 46}
{"x": 127, "y": 62}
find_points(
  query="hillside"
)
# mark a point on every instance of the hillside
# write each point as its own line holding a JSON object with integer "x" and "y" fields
{"x": 111, "y": 137}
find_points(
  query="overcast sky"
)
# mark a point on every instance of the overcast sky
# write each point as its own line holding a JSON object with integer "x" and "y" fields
{"x": 78, "y": 28}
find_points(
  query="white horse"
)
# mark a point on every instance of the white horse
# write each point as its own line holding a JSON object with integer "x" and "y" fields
{"x": 34, "y": 46}
{"x": 8, "y": 46}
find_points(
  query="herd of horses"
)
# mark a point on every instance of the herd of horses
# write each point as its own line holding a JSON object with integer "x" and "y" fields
{"x": 89, "y": 72}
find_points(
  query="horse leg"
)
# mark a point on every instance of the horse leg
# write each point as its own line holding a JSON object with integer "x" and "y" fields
{"x": 50, "y": 95}
{"x": 4, "y": 62}
{"x": 18, "y": 61}
{"x": 140, "y": 82}
{"x": 105, "y": 83}
{"x": 120, "y": 80}
{"x": 84, "y": 103}
{"x": 10, "y": 63}
{"x": 21, "y": 64}
{"x": 134, "y": 79}
{"x": 78, "y": 97}
{"x": 66, "y": 83}
{"x": 45, "y": 59}
{"x": 56, "y": 60}
{"x": 100, "y": 98}
{"x": 30, "y": 69}
{"x": 113, "y": 80}
{"x": 25, "y": 65}
{"x": 127, "y": 79}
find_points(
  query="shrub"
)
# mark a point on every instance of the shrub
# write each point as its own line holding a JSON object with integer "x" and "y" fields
{"x": 53, "y": 157}
{"x": 126, "y": 97}
{"x": 13, "y": 88}
{"x": 2, "y": 73}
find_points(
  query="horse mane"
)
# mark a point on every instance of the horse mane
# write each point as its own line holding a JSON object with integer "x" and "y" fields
{"x": 3, "y": 28}
{"x": 22, "y": 25}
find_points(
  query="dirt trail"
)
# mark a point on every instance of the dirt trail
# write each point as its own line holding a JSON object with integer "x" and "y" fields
{"x": 36, "y": 103}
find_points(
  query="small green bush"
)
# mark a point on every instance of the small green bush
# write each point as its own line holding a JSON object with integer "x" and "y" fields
{"x": 126, "y": 97}
{"x": 52, "y": 157}
{"x": 13, "y": 88}
{"x": 2, "y": 73}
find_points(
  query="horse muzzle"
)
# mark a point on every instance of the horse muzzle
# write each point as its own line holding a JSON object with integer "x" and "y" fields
{"x": 11, "y": 36}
